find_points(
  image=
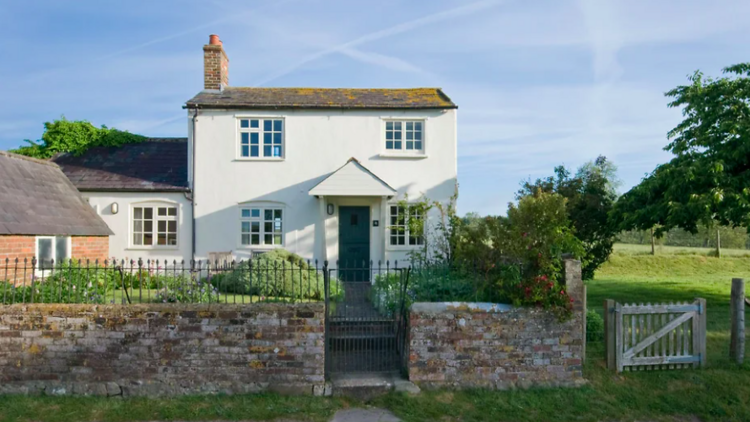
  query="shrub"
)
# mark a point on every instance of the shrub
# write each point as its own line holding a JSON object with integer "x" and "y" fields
{"x": 594, "y": 326}
{"x": 518, "y": 259}
{"x": 68, "y": 283}
{"x": 440, "y": 282}
{"x": 277, "y": 273}
{"x": 186, "y": 289}
{"x": 144, "y": 279}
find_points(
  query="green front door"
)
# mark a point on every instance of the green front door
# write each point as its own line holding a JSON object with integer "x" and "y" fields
{"x": 354, "y": 243}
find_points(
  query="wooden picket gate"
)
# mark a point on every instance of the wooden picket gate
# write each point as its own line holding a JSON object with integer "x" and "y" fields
{"x": 659, "y": 336}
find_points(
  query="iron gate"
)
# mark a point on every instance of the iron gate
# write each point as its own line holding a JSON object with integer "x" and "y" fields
{"x": 366, "y": 330}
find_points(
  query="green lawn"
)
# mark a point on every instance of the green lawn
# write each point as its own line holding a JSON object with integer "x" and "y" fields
{"x": 631, "y": 249}
{"x": 719, "y": 393}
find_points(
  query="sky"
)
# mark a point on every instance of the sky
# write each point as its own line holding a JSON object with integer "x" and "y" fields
{"x": 538, "y": 83}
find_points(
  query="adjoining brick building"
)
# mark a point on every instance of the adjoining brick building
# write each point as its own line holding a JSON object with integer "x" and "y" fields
{"x": 43, "y": 215}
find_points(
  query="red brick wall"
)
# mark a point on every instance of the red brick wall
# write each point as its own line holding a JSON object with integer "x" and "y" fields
{"x": 90, "y": 247}
{"x": 24, "y": 248}
{"x": 13, "y": 247}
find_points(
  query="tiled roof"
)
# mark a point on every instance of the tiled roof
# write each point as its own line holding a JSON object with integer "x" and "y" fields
{"x": 338, "y": 98}
{"x": 154, "y": 165}
{"x": 37, "y": 199}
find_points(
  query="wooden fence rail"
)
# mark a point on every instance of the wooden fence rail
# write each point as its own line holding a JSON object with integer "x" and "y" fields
{"x": 658, "y": 336}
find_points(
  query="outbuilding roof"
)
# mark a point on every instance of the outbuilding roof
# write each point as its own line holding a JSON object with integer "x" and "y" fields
{"x": 37, "y": 199}
{"x": 323, "y": 98}
{"x": 154, "y": 165}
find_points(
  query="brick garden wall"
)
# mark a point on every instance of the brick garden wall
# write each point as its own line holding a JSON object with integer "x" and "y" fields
{"x": 161, "y": 349}
{"x": 498, "y": 346}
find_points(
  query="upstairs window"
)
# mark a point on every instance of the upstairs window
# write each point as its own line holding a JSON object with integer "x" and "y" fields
{"x": 404, "y": 136}
{"x": 261, "y": 138}
{"x": 261, "y": 226}
{"x": 155, "y": 226}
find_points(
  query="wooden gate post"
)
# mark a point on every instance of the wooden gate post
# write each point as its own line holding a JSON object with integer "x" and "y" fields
{"x": 618, "y": 337}
{"x": 699, "y": 331}
{"x": 737, "y": 312}
{"x": 609, "y": 333}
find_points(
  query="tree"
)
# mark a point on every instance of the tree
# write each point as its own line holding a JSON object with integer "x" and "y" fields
{"x": 590, "y": 194}
{"x": 708, "y": 180}
{"x": 537, "y": 232}
{"x": 75, "y": 137}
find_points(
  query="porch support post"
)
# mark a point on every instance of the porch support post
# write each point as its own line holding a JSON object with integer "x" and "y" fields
{"x": 383, "y": 225}
{"x": 323, "y": 235}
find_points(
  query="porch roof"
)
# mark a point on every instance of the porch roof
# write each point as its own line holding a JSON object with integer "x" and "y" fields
{"x": 352, "y": 179}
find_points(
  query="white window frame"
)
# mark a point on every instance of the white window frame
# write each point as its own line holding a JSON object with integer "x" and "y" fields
{"x": 54, "y": 250}
{"x": 262, "y": 221}
{"x": 260, "y": 131}
{"x": 155, "y": 227}
{"x": 406, "y": 234}
{"x": 403, "y": 151}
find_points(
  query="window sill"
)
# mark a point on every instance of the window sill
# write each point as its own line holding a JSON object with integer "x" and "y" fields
{"x": 401, "y": 248}
{"x": 259, "y": 247}
{"x": 404, "y": 156}
{"x": 258, "y": 159}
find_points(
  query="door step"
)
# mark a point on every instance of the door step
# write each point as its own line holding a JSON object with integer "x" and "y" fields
{"x": 365, "y": 386}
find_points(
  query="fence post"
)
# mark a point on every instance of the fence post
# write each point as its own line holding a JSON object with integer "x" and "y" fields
{"x": 609, "y": 333}
{"x": 702, "y": 330}
{"x": 618, "y": 337}
{"x": 737, "y": 312}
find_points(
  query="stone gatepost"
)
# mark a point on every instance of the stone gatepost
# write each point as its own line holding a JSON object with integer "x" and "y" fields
{"x": 576, "y": 290}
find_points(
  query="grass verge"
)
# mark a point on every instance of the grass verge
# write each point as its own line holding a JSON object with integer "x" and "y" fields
{"x": 257, "y": 407}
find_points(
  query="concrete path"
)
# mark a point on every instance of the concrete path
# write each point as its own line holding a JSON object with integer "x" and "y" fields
{"x": 364, "y": 415}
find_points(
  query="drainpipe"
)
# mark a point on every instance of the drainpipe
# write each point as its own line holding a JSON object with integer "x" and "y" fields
{"x": 192, "y": 184}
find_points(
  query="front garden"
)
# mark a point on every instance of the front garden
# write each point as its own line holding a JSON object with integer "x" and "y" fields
{"x": 277, "y": 276}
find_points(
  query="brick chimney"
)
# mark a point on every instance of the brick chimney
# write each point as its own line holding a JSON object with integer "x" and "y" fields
{"x": 215, "y": 64}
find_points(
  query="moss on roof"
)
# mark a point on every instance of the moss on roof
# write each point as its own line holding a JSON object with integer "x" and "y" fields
{"x": 347, "y": 98}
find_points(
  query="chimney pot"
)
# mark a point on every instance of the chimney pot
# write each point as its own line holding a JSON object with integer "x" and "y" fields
{"x": 213, "y": 39}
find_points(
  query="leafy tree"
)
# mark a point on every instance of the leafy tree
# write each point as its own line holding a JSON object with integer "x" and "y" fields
{"x": 75, "y": 137}
{"x": 590, "y": 194}
{"x": 537, "y": 232}
{"x": 708, "y": 180}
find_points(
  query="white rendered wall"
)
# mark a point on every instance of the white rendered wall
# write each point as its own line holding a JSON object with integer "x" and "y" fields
{"x": 316, "y": 143}
{"x": 120, "y": 244}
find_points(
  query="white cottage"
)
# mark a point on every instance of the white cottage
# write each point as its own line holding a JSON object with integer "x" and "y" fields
{"x": 316, "y": 171}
